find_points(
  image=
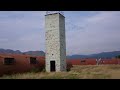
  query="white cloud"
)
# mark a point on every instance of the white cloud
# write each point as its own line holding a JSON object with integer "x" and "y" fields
{"x": 3, "y": 39}
{"x": 86, "y": 32}
{"x": 101, "y": 33}
{"x": 23, "y": 30}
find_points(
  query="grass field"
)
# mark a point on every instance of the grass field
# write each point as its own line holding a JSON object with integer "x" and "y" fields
{"x": 77, "y": 72}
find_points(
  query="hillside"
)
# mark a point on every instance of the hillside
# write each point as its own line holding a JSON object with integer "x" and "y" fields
{"x": 9, "y": 51}
{"x": 41, "y": 53}
{"x": 36, "y": 53}
{"x": 99, "y": 55}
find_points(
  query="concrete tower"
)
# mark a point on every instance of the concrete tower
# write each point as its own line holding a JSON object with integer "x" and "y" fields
{"x": 55, "y": 42}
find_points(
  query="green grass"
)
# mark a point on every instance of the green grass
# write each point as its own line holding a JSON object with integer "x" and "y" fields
{"x": 77, "y": 72}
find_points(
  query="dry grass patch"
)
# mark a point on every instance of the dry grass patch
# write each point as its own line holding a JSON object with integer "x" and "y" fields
{"x": 77, "y": 72}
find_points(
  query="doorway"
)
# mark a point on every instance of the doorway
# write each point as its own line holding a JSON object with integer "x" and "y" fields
{"x": 52, "y": 66}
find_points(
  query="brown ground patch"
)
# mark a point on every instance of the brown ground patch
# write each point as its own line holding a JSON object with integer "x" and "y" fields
{"x": 77, "y": 72}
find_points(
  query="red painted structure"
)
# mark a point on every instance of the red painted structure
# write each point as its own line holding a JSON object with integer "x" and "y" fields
{"x": 22, "y": 64}
{"x": 110, "y": 61}
{"x": 83, "y": 61}
{"x": 92, "y": 61}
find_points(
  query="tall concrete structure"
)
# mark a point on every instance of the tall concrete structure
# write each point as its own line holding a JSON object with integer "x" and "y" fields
{"x": 55, "y": 42}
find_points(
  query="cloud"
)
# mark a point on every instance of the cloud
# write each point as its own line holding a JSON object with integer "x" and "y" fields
{"x": 22, "y": 25}
{"x": 100, "y": 33}
{"x": 87, "y": 32}
{"x": 3, "y": 39}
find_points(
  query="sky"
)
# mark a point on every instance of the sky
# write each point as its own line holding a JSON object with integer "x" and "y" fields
{"x": 87, "y": 32}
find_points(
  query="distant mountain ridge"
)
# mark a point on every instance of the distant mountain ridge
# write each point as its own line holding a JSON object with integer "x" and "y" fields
{"x": 9, "y": 51}
{"x": 98, "y": 55}
{"x": 41, "y": 53}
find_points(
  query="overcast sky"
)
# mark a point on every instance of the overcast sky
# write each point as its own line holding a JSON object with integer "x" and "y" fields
{"x": 87, "y": 32}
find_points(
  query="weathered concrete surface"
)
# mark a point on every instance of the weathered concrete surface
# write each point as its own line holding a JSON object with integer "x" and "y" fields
{"x": 55, "y": 41}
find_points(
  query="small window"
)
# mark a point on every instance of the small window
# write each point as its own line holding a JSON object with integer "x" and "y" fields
{"x": 33, "y": 60}
{"x": 82, "y": 61}
{"x": 9, "y": 61}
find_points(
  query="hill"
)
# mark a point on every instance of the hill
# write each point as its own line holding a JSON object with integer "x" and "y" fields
{"x": 9, "y": 51}
{"x": 99, "y": 55}
{"x": 41, "y": 53}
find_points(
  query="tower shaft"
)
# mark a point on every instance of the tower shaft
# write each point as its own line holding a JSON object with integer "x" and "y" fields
{"x": 55, "y": 42}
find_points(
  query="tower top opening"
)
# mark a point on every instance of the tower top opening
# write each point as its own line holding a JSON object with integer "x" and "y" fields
{"x": 54, "y": 12}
